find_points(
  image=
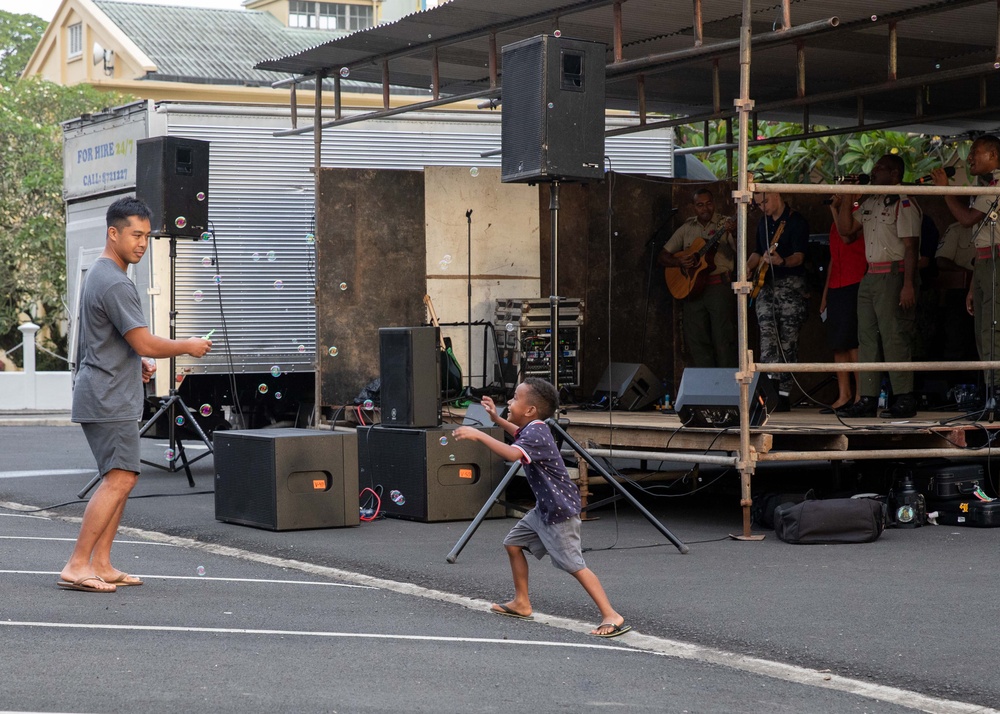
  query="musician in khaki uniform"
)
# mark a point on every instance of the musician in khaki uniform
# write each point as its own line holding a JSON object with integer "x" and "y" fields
{"x": 708, "y": 313}
{"x": 887, "y": 296}
{"x": 983, "y": 298}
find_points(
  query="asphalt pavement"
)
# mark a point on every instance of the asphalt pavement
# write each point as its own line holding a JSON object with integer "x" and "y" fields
{"x": 372, "y": 618}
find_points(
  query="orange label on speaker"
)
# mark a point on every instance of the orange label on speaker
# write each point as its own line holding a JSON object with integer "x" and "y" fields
{"x": 319, "y": 484}
{"x": 465, "y": 473}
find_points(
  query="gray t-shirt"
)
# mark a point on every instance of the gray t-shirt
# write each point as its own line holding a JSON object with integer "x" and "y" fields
{"x": 108, "y": 383}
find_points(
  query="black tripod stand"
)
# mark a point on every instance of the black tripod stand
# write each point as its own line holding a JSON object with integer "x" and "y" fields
{"x": 622, "y": 493}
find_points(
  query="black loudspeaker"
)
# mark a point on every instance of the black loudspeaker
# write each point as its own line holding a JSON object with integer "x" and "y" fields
{"x": 172, "y": 178}
{"x": 285, "y": 479}
{"x": 710, "y": 397}
{"x": 410, "y": 395}
{"x": 552, "y": 123}
{"x": 427, "y": 474}
{"x": 628, "y": 386}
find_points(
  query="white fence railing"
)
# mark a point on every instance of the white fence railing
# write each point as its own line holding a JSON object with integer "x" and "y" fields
{"x": 31, "y": 389}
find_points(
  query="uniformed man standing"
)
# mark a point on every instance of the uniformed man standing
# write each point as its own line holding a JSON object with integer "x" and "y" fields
{"x": 887, "y": 296}
{"x": 709, "y": 317}
{"x": 983, "y": 298}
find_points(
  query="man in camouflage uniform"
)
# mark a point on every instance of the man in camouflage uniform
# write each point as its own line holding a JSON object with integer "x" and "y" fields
{"x": 781, "y": 302}
{"x": 887, "y": 296}
{"x": 709, "y": 318}
{"x": 983, "y": 298}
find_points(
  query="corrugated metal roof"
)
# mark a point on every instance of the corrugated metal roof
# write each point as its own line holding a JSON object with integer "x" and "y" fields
{"x": 934, "y": 36}
{"x": 209, "y": 46}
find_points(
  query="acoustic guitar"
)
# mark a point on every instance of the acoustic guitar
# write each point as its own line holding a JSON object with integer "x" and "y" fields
{"x": 757, "y": 282}
{"x": 451, "y": 370}
{"x": 690, "y": 282}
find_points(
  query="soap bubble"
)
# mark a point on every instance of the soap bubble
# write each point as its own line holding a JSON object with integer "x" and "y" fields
{"x": 200, "y": 196}
{"x": 169, "y": 455}
{"x": 255, "y": 257}
{"x": 345, "y": 72}
{"x": 206, "y": 236}
{"x": 557, "y": 33}
{"x": 275, "y": 371}
{"x": 205, "y": 410}
{"x": 278, "y": 285}
{"x": 552, "y": 105}
{"x": 277, "y": 395}
{"x": 510, "y": 327}
{"x": 333, "y": 351}
{"x": 874, "y": 18}
{"x": 446, "y": 258}
{"x": 262, "y": 388}
{"x": 397, "y": 497}
{"x": 310, "y": 238}
{"x": 198, "y": 295}
{"x": 343, "y": 286}
{"x": 474, "y": 171}
{"x": 451, "y": 457}
{"x": 179, "y": 421}
{"x": 443, "y": 265}
{"x": 200, "y": 570}
{"x": 302, "y": 348}
{"x": 368, "y": 405}
{"x": 443, "y": 440}
{"x": 271, "y": 256}
{"x": 217, "y": 279}
{"x": 180, "y": 221}
{"x": 206, "y": 261}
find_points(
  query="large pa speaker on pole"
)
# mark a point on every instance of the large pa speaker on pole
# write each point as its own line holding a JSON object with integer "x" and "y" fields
{"x": 172, "y": 178}
{"x": 552, "y": 122}
{"x": 629, "y": 386}
{"x": 410, "y": 392}
{"x": 710, "y": 397}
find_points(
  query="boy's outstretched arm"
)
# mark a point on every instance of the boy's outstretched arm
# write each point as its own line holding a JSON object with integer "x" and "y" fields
{"x": 504, "y": 451}
{"x": 491, "y": 409}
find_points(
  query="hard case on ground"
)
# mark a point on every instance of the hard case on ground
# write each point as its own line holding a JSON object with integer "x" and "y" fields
{"x": 948, "y": 481}
{"x": 979, "y": 514}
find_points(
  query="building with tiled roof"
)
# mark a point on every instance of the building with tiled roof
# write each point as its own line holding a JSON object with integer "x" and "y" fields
{"x": 166, "y": 52}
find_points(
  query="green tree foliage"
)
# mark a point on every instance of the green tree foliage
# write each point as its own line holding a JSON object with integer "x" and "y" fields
{"x": 32, "y": 212}
{"x": 19, "y": 35}
{"x": 821, "y": 159}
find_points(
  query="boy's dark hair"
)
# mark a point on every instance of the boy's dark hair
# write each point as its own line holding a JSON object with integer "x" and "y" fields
{"x": 124, "y": 208}
{"x": 544, "y": 396}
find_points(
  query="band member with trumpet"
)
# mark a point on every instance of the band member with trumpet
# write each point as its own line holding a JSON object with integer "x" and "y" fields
{"x": 887, "y": 296}
{"x": 778, "y": 285}
{"x": 699, "y": 259}
{"x": 983, "y": 298}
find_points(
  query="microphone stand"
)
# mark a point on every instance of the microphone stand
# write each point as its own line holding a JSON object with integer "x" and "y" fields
{"x": 468, "y": 220}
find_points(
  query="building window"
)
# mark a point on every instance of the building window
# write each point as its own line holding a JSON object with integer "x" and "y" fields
{"x": 74, "y": 34}
{"x": 329, "y": 15}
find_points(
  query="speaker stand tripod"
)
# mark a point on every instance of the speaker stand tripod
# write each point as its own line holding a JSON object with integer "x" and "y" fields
{"x": 172, "y": 406}
{"x": 615, "y": 483}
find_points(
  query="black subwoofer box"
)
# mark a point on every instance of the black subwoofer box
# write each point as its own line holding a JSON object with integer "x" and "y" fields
{"x": 172, "y": 178}
{"x": 552, "y": 124}
{"x": 286, "y": 479}
{"x": 428, "y": 475}
{"x": 710, "y": 397}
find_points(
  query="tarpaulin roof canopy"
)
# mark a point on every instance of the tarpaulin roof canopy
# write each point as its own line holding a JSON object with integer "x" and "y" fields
{"x": 838, "y": 62}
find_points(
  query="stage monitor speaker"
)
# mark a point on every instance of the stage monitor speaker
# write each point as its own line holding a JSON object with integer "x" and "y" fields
{"x": 286, "y": 479}
{"x": 427, "y": 474}
{"x": 172, "y": 178}
{"x": 710, "y": 397}
{"x": 410, "y": 394}
{"x": 628, "y": 386}
{"x": 552, "y": 119}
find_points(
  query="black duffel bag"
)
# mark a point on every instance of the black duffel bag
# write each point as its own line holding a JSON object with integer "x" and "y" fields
{"x": 834, "y": 520}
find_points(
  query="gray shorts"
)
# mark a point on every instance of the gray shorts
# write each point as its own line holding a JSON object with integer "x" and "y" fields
{"x": 115, "y": 445}
{"x": 560, "y": 540}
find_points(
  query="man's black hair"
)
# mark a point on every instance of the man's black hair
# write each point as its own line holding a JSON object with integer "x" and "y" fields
{"x": 124, "y": 208}
{"x": 897, "y": 163}
{"x": 544, "y": 396}
{"x": 991, "y": 141}
{"x": 702, "y": 192}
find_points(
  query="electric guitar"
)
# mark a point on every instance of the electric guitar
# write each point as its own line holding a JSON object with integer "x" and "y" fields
{"x": 757, "y": 282}
{"x": 690, "y": 282}
{"x": 451, "y": 370}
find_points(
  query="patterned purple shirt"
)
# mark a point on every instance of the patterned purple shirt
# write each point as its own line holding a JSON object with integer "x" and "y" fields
{"x": 557, "y": 498}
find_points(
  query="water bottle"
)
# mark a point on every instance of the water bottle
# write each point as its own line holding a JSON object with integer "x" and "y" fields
{"x": 883, "y": 399}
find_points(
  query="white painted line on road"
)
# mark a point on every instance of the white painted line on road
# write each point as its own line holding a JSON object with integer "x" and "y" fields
{"x": 658, "y": 645}
{"x": 24, "y": 515}
{"x": 321, "y": 633}
{"x": 73, "y": 540}
{"x": 145, "y": 576}
{"x": 47, "y": 472}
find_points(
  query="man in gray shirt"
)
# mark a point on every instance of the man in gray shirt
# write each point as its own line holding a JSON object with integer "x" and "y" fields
{"x": 108, "y": 394}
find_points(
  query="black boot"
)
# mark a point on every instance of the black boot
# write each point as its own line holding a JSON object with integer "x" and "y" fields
{"x": 866, "y": 407}
{"x": 905, "y": 407}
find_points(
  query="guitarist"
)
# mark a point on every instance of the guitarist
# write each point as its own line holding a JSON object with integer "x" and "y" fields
{"x": 709, "y": 318}
{"x": 781, "y": 302}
